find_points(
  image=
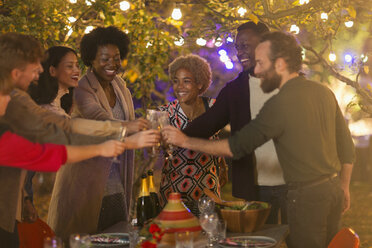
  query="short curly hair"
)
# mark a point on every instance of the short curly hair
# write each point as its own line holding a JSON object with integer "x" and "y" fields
{"x": 103, "y": 36}
{"x": 195, "y": 64}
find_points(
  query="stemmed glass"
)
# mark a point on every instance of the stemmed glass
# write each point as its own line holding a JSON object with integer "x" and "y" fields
{"x": 208, "y": 221}
{"x": 205, "y": 205}
{"x": 163, "y": 120}
{"x": 120, "y": 137}
{"x": 79, "y": 241}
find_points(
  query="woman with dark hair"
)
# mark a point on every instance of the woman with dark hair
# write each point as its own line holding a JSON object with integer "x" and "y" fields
{"x": 189, "y": 172}
{"x": 61, "y": 74}
{"x": 101, "y": 95}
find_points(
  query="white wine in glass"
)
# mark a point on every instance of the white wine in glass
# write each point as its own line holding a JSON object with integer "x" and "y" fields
{"x": 120, "y": 137}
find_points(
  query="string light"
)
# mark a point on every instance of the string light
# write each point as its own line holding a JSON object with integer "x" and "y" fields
{"x": 218, "y": 42}
{"x": 73, "y": 1}
{"x": 176, "y": 14}
{"x": 364, "y": 58}
{"x": 201, "y": 42}
{"x": 148, "y": 44}
{"x": 332, "y": 57}
{"x": 69, "y": 32}
{"x": 302, "y": 2}
{"x": 324, "y": 16}
{"x": 348, "y": 58}
{"x": 224, "y": 58}
{"x": 242, "y": 11}
{"x": 88, "y": 29}
{"x": 349, "y": 24}
{"x": 71, "y": 19}
{"x": 294, "y": 29}
{"x": 222, "y": 52}
{"x": 229, "y": 65}
{"x": 124, "y": 5}
{"x": 89, "y": 2}
{"x": 229, "y": 39}
{"x": 179, "y": 42}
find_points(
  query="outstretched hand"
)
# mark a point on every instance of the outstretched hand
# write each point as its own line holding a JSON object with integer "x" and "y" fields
{"x": 143, "y": 139}
{"x": 137, "y": 125}
{"x": 111, "y": 148}
{"x": 174, "y": 136}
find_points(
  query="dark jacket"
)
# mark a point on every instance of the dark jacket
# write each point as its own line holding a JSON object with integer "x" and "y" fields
{"x": 232, "y": 106}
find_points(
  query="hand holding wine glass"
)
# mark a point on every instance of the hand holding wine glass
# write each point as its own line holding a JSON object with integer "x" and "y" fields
{"x": 120, "y": 137}
{"x": 163, "y": 120}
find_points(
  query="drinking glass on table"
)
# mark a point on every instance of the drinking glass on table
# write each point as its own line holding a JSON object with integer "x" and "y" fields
{"x": 205, "y": 204}
{"x": 79, "y": 241}
{"x": 120, "y": 137}
{"x": 208, "y": 221}
{"x": 163, "y": 120}
{"x": 52, "y": 242}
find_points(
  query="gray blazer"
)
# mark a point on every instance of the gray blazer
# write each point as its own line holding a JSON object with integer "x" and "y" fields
{"x": 78, "y": 191}
{"x": 29, "y": 120}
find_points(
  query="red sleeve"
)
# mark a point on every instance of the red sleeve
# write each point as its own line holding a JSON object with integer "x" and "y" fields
{"x": 16, "y": 151}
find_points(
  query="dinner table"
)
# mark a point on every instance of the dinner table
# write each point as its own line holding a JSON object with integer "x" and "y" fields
{"x": 278, "y": 232}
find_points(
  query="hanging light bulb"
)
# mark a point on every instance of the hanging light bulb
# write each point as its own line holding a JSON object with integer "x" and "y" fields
{"x": 222, "y": 52}
{"x": 302, "y": 2}
{"x": 201, "y": 42}
{"x": 88, "y": 29}
{"x": 176, "y": 14}
{"x": 69, "y": 33}
{"x": 324, "y": 16}
{"x": 242, "y": 11}
{"x": 229, "y": 65}
{"x": 294, "y": 29}
{"x": 224, "y": 58}
{"x": 124, "y": 5}
{"x": 73, "y": 1}
{"x": 348, "y": 58}
{"x": 229, "y": 39}
{"x": 349, "y": 24}
{"x": 332, "y": 57}
{"x": 148, "y": 44}
{"x": 179, "y": 42}
{"x": 218, "y": 42}
{"x": 71, "y": 19}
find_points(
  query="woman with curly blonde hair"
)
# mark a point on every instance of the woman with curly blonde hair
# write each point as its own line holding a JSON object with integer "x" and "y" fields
{"x": 189, "y": 172}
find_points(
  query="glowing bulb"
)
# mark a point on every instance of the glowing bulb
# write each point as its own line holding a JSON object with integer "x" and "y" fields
{"x": 201, "y": 42}
{"x": 229, "y": 65}
{"x": 229, "y": 40}
{"x": 324, "y": 16}
{"x": 224, "y": 58}
{"x": 242, "y": 11}
{"x": 126, "y": 31}
{"x": 348, "y": 58}
{"x": 179, "y": 42}
{"x": 176, "y": 14}
{"x": 294, "y": 29}
{"x": 69, "y": 33}
{"x": 222, "y": 52}
{"x": 148, "y": 44}
{"x": 71, "y": 19}
{"x": 88, "y": 29}
{"x": 218, "y": 42}
{"x": 124, "y": 5}
{"x": 302, "y": 2}
{"x": 332, "y": 57}
{"x": 88, "y": 3}
{"x": 73, "y": 1}
{"x": 349, "y": 24}
{"x": 364, "y": 58}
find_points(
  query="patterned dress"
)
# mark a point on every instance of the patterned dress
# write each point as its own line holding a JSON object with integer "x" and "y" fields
{"x": 189, "y": 172}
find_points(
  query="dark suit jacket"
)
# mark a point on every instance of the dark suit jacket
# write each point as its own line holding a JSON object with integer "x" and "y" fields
{"x": 232, "y": 106}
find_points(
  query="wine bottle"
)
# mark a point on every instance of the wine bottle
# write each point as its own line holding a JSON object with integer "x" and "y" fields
{"x": 145, "y": 209}
{"x": 154, "y": 196}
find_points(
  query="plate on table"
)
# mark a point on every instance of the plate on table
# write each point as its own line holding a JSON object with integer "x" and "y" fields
{"x": 109, "y": 240}
{"x": 248, "y": 241}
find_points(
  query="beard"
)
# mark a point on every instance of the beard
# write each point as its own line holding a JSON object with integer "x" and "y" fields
{"x": 270, "y": 80}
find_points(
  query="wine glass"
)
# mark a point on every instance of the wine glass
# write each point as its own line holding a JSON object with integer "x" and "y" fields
{"x": 79, "y": 241}
{"x": 152, "y": 117}
{"x": 120, "y": 137}
{"x": 205, "y": 205}
{"x": 163, "y": 120}
{"x": 208, "y": 221}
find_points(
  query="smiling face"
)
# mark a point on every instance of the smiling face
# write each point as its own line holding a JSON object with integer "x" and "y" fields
{"x": 246, "y": 42}
{"x": 185, "y": 87}
{"x": 67, "y": 72}
{"x": 265, "y": 69}
{"x": 107, "y": 63}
